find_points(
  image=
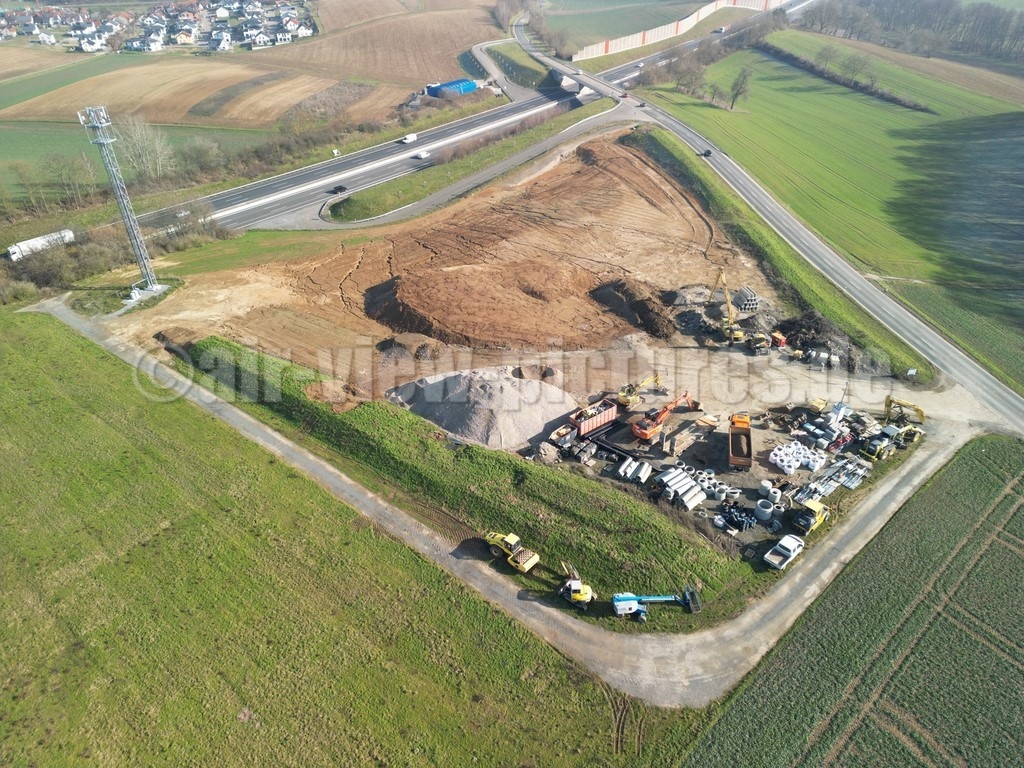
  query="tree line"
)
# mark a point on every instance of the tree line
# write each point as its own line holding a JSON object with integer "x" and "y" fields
{"x": 924, "y": 26}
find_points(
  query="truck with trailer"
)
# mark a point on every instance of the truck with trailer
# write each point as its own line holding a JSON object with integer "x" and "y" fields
{"x": 783, "y": 553}
{"x": 593, "y": 416}
{"x": 18, "y": 251}
{"x": 741, "y": 453}
{"x": 451, "y": 88}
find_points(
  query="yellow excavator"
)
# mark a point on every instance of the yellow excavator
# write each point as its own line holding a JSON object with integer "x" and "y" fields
{"x": 731, "y": 332}
{"x": 895, "y": 411}
{"x": 629, "y": 395}
{"x": 574, "y": 590}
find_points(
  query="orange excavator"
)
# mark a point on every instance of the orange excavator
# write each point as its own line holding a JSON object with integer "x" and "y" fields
{"x": 649, "y": 427}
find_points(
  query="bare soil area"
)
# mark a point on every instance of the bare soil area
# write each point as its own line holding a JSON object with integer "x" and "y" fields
{"x": 525, "y": 266}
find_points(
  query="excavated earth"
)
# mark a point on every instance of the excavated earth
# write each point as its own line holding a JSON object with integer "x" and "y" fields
{"x": 584, "y": 250}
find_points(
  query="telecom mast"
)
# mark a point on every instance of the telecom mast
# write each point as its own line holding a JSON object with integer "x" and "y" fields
{"x": 97, "y": 122}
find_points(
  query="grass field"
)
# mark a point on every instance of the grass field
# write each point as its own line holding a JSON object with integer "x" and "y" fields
{"x": 914, "y": 655}
{"x": 907, "y": 195}
{"x": 175, "y": 596}
{"x": 518, "y": 66}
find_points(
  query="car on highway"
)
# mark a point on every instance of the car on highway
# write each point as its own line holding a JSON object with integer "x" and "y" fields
{"x": 422, "y": 155}
{"x": 182, "y": 214}
{"x": 706, "y": 153}
{"x": 339, "y": 189}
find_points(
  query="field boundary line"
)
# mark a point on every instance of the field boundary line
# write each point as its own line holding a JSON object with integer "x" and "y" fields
{"x": 907, "y": 719}
{"x": 977, "y": 633}
{"x": 926, "y": 589}
{"x": 891, "y": 727}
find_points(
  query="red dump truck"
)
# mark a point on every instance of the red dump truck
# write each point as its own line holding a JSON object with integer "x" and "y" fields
{"x": 741, "y": 452}
{"x": 593, "y": 416}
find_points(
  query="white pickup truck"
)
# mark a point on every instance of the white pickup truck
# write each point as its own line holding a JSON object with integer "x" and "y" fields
{"x": 782, "y": 554}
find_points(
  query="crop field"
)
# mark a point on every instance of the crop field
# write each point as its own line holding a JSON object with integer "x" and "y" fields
{"x": 465, "y": 491}
{"x": 590, "y": 25}
{"x": 907, "y": 196}
{"x": 173, "y": 595}
{"x": 913, "y": 656}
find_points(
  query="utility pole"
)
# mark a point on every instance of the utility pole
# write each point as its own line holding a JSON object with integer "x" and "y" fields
{"x": 97, "y": 123}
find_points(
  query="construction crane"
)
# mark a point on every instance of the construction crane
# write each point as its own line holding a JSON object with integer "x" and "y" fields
{"x": 732, "y": 333}
{"x": 650, "y": 426}
{"x": 629, "y": 395}
{"x": 895, "y": 410}
{"x": 574, "y": 590}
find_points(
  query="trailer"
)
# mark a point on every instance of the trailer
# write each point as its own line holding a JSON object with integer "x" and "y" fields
{"x": 740, "y": 451}
{"x": 25, "y": 248}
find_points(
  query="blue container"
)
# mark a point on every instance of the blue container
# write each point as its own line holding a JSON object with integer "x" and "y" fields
{"x": 453, "y": 87}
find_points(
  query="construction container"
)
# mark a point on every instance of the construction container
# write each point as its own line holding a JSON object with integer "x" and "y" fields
{"x": 451, "y": 88}
{"x": 593, "y": 416}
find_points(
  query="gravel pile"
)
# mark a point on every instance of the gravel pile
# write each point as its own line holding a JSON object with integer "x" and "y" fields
{"x": 488, "y": 406}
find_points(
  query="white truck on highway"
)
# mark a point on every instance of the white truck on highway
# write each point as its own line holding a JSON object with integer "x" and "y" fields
{"x": 782, "y": 554}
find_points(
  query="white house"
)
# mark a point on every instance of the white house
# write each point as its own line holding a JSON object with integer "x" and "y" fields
{"x": 261, "y": 40}
{"x": 47, "y": 39}
{"x": 303, "y": 30}
{"x": 222, "y": 14}
{"x": 282, "y": 37}
{"x": 91, "y": 44}
{"x": 220, "y": 43}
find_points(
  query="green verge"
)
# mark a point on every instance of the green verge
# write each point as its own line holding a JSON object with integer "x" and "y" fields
{"x": 174, "y": 595}
{"x": 521, "y": 68}
{"x": 406, "y": 190}
{"x": 923, "y": 199}
{"x": 787, "y": 268}
{"x": 618, "y": 541}
{"x": 906, "y": 636}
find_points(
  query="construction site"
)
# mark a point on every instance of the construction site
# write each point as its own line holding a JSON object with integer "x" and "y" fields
{"x": 645, "y": 351}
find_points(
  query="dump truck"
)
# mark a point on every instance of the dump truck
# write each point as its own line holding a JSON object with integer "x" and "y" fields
{"x": 593, "y": 416}
{"x": 508, "y": 544}
{"x": 813, "y": 514}
{"x": 783, "y": 553}
{"x": 741, "y": 452}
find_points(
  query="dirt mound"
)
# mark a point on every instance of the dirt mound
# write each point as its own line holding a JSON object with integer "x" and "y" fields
{"x": 521, "y": 303}
{"x": 634, "y": 301}
{"x": 490, "y": 406}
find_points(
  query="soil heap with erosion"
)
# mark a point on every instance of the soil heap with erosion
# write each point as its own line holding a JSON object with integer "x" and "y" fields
{"x": 585, "y": 250}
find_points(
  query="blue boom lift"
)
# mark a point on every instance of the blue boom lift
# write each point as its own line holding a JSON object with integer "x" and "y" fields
{"x": 628, "y": 604}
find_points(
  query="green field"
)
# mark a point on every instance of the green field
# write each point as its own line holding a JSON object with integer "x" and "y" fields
{"x": 914, "y": 655}
{"x": 905, "y": 195}
{"x": 69, "y": 68}
{"x": 173, "y": 595}
{"x": 519, "y": 67}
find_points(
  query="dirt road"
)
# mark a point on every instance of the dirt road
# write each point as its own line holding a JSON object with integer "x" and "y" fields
{"x": 666, "y": 670}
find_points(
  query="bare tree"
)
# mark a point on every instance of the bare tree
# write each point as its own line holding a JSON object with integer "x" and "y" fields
{"x": 30, "y": 181}
{"x": 689, "y": 75}
{"x": 854, "y": 64}
{"x": 826, "y": 55}
{"x": 740, "y": 88}
{"x": 143, "y": 148}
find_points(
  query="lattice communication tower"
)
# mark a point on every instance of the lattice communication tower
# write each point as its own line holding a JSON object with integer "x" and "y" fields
{"x": 97, "y": 123}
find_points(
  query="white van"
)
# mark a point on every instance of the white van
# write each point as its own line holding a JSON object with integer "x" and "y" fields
{"x": 409, "y": 138}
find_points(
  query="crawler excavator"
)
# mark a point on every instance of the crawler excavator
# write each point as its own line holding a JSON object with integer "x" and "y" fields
{"x": 629, "y": 395}
{"x": 731, "y": 332}
{"x": 650, "y": 426}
